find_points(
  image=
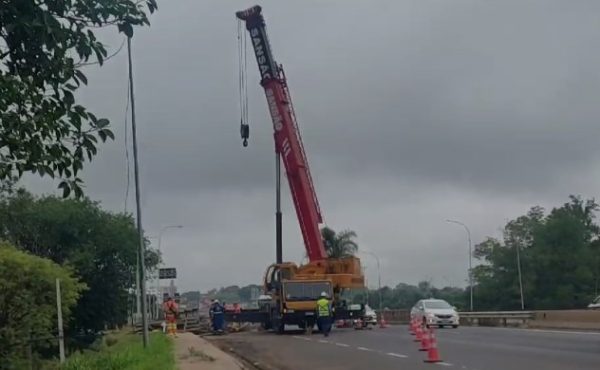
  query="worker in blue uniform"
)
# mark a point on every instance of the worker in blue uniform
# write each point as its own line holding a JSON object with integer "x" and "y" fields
{"x": 217, "y": 314}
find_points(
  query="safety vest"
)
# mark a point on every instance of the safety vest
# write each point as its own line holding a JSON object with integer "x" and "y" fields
{"x": 171, "y": 308}
{"x": 323, "y": 307}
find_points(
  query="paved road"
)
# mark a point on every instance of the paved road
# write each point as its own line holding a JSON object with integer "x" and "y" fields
{"x": 393, "y": 348}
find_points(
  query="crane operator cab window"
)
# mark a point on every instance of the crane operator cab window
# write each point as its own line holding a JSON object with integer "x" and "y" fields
{"x": 306, "y": 291}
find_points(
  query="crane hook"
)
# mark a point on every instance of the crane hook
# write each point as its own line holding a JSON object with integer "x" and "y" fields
{"x": 245, "y": 133}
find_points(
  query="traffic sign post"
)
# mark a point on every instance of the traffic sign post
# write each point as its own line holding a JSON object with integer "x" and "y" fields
{"x": 167, "y": 273}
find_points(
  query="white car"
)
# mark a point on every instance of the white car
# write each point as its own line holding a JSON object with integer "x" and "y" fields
{"x": 370, "y": 316}
{"x": 595, "y": 305}
{"x": 436, "y": 312}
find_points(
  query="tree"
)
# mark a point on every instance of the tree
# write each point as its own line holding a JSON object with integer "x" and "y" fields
{"x": 339, "y": 245}
{"x": 99, "y": 245}
{"x": 559, "y": 257}
{"x": 28, "y": 302}
{"x": 44, "y": 44}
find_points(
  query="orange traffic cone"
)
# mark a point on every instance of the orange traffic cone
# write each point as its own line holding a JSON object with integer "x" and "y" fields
{"x": 425, "y": 341}
{"x": 432, "y": 353}
{"x": 382, "y": 323}
{"x": 419, "y": 334}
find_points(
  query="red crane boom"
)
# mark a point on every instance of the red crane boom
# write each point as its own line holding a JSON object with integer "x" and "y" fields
{"x": 288, "y": 141}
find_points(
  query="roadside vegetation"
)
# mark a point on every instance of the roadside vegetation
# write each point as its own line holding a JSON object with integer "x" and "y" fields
{"x": 45, "y": 47}
{"x": 125, "y": 352}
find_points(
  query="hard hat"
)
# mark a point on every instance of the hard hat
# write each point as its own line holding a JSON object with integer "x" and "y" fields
{"x": 216, "y": 301}
{"x": 323, "y": 294}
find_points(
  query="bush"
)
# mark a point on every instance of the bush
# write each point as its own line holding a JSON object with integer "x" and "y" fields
{"x": 127, "y": 353}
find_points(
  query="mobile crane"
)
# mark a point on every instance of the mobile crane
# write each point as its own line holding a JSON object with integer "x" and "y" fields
{"x": 292, "y": 290}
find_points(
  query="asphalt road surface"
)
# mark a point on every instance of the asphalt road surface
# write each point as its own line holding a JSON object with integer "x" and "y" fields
{"x": 473, "y": 348}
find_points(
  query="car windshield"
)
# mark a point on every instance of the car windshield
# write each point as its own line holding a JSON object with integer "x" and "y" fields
{"x": 306, "y": 291}
{"x": 436, "y": 304}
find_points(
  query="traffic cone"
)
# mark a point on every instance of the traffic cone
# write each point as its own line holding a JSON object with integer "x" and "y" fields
{"x": 419, "y": 334}
{"x": 411, "y": 327}
{"x": 425, "y": 342}
{"x": 382, "y": 323}
{"x": 432, "y": 353}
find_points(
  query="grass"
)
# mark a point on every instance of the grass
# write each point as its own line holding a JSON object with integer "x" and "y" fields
{"x": 125, "y": 352}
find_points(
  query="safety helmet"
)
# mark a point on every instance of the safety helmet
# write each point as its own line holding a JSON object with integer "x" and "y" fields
{"x": 216, "y": 301}
{"x": 323, "y": 294}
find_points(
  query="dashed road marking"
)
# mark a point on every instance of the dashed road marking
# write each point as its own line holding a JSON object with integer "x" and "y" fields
{"x": 323, "y": 341}
{"x": 364, "y": 349}
{"x": 444, "y": 363}
{"x": 396, "y": 355}
{"x": 342, "y": 345}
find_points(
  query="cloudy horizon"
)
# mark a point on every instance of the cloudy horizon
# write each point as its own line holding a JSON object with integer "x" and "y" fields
{"x": 412, "y": 112}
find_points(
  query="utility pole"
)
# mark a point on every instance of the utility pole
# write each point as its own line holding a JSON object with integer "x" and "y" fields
{"x": 61, "y": 334}
{"x": 470, "y": 259}
{"x": 142, "y": 245}
{"x": 278, "y": 216}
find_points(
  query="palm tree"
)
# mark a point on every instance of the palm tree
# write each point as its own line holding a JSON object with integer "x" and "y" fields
{"x": 339, "y": 245}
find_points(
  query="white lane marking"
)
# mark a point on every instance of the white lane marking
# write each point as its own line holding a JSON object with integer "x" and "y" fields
{"x": 396, "y": 355}
{"x": 539, "y": 330}
{"x": 444, "y": 363}
{"x": 561, "y": 331}
{"x": 364, "y": 349}
{"x": 323, "y": 341}
{"x": 342, "y": 345}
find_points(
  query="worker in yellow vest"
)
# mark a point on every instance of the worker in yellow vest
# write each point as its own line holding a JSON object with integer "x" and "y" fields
{"x": 324, "y": 314}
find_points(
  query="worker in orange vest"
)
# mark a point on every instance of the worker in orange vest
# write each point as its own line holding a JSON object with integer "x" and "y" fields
{"x": 171, "y": 311}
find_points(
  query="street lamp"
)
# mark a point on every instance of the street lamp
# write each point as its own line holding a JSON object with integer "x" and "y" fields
{"x": 162, "y": 230}
{"x": 470, "y": 258}
{"x": 378, "y": 278}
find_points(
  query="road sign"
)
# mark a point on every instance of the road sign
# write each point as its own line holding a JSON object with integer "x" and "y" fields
{"x": 168, "y": 273}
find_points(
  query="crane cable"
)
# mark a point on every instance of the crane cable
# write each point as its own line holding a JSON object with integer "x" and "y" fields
{"x": 243, "y": 83}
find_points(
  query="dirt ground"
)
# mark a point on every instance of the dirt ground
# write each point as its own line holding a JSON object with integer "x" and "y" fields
{"x": 195, "y": 353}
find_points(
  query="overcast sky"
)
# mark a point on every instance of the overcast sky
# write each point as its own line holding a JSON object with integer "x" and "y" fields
{"x": 412, "y": 112}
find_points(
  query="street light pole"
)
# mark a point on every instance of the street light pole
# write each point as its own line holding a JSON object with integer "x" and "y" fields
{"x": 158, "y": 295}
{"x": 520, "y": 278}
{"x": 470, "y": 258}
{"x": 141, "y": 266}
{"x": 378, "y": 278}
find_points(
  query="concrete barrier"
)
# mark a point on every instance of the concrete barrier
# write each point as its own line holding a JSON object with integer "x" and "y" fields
{"x": 566, "y": 319}
{"x": 395, "y": 317}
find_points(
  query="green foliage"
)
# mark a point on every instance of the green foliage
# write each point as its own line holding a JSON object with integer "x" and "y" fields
{"x": 28, "y": 301}
{"x": 559, "y": 254}
{"x": 404, "y": 296}
{"x": 127, "y": 354}
{"x": 43, "y": 46}
{"x": 234, "y": 293}
{"x": 339, "y": 245}
{"x": 101, "y": 246}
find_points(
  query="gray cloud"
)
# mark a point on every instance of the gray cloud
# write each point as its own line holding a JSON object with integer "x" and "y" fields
{"x": 412, "y": 112}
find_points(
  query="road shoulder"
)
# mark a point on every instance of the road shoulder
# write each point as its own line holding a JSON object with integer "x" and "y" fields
{"x": 195, "y": 353}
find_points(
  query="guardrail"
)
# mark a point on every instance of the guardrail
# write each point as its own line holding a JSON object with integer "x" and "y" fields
{"x": 496, "y": 318}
